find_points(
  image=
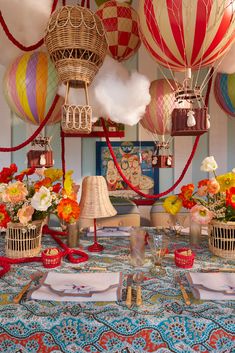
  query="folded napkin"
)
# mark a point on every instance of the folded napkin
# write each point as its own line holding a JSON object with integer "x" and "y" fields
{"x": 79, "y": 287}
{"x": 186, "y": 231}
{"x": 212, "y": 286}
{"x": 110, "y": 232}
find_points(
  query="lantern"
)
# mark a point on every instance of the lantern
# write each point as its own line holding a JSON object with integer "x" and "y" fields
{"x": 30, "y": 85}
{"x": 224, "y": 92}
{"x": 75, "y": 39}
{"x": 120, "y": 21}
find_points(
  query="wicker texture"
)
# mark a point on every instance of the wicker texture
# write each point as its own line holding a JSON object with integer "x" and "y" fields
{"x": 76, "y": 41}
{"x": 222, "y": 239}
{"x": 23, "y": 241}
{"x": 76, "y": 118}
{"x": 95, "y": 202}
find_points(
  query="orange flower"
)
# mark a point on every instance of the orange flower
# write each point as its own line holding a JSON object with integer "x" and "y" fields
{"x": 202, "y": 187}
{"x": 230, "y": 197}
{"x": 44, "y": 182}
{"x": 187, "y": 196}
{"x": 14, "y": 193}
{"x": 68, "y": 210}
{"x": 4, "y": 216}
{"x": 213, "y": 186}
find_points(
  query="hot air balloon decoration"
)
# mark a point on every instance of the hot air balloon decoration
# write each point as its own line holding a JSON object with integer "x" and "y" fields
{"x": 157, "y": 120}
{"x": 30, "y": 85}
{"x": 75, "y": 39}
{"x": 120, "y": 21}
{"x": 224, "y": 85}
{"x": 187, "y": 35}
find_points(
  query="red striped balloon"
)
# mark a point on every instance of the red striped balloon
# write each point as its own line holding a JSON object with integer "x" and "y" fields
{"x": 157, "y": 118}
{"x": 182, "y": 34}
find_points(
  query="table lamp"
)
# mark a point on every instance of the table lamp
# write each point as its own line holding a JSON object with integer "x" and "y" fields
{"x": 95, "y": 203}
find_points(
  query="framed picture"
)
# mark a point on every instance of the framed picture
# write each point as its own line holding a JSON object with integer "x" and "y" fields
{"x": 135, "y": 160}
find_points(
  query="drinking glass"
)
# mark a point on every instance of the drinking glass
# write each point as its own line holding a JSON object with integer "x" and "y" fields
{"x": 137, "y": 246}
{"x": 158, "y": 244}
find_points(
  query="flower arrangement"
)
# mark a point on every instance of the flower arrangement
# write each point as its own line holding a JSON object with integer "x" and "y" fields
{"x": 214, "y": 198}
{"x": 23, "y": 200}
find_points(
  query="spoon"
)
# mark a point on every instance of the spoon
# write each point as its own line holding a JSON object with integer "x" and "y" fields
{"x": 138, "y": 278}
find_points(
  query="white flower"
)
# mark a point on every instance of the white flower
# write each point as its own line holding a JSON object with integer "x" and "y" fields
{"x": 209, "y": 164}
{"x": 41, "y": 200}
{"x": 233, "y": 170}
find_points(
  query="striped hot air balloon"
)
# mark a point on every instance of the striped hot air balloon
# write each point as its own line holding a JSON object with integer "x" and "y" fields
{"x": 224, "y": 88}
{"x": 157, "y": 118}
{"x": 30, "y": 85}
{"x": 182, "y": 34}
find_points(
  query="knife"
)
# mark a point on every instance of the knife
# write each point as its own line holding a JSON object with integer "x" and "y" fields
{"x": 129, "y": 282}
{"x": 183, "y": 291}
{"x": 225, "y": 269}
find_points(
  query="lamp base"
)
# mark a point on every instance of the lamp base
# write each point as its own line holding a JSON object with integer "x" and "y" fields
{"x": 96, "y": 247}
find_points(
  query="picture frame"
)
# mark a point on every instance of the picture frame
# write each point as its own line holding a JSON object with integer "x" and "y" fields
{"x": 135, "y": 160}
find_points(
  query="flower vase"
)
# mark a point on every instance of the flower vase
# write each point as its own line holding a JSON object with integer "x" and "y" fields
{"x": 73, "y": 237}
{"x": 195, "y": 232}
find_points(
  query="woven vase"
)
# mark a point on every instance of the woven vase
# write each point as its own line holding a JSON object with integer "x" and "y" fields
{"x": 222, "y": 239}
{"x": 23, "y": 241}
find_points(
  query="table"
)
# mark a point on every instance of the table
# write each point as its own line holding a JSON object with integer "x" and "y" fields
{"x": 162, "y": 324}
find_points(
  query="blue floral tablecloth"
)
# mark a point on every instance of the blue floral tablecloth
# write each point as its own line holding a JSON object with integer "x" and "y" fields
{"x": 162, "y": 324}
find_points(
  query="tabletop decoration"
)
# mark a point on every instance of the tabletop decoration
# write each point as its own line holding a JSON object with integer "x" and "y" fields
{"x": 26, "y": 200}
{"x": 213, "y": 204}
{"x": 184, "y": 257}
{"x": 51, "y": 257}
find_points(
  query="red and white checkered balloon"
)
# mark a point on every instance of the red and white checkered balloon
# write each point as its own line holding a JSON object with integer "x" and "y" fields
{"x": 120, "y": 21}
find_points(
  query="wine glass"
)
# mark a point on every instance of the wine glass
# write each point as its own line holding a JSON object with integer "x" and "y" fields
{"x": 158, "y": 244}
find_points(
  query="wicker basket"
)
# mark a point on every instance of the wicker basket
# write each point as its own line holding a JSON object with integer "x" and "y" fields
{"x": 76, "y": 41}
{"x": 222, "y": 239}
{"x": 76, "y": 119}
{"x": 22, "y": 241}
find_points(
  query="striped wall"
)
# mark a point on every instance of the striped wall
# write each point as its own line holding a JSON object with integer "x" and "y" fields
{"x": 81, "y": 153}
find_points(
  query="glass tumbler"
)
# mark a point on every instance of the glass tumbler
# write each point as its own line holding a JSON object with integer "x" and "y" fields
{"x": 137, "y": 247}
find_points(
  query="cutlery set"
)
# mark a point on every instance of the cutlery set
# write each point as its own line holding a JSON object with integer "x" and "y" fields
{"x": 131, "y": 278}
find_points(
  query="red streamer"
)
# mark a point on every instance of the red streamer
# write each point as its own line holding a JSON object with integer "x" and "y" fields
{"x": 15, "y": 41}
{"x": 39, "y": 129}
{"x": 62, "y": 152}
{"x": 148, "y": 196}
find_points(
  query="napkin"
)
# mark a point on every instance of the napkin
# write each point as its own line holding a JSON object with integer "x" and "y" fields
{"x": 186, "y": 231}
{"x": 212, "y": 286}
{"x": 110, "y": 232}
{"x": 79, "y": 287}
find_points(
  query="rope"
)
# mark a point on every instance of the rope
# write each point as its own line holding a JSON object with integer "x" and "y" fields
{"x": 15, "y": 41}
{"x": 62, "y": 152}
{"x": 157, "y": 196}
{"x": 39, "y": 129}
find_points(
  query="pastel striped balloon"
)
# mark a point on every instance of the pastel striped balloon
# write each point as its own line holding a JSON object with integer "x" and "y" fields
{"x": 182, "y": 34}
{"x": 30, "y": 85}
{"x": 157, "y": 118}
{"x": 224, "y": 88}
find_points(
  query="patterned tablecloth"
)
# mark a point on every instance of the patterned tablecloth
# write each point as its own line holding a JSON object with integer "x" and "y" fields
{"x": 162, "y": 324}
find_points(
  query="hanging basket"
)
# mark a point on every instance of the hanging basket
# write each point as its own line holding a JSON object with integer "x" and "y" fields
{"x": 76, "y": 119}
{"x": 222, "y": 239}
{"x": 180, "y": 122}
{"x": 161, "y": 157}
{"x": 76, "y": 41}
{"x": 41, "y": 154}
{"x": 23, "y": 241}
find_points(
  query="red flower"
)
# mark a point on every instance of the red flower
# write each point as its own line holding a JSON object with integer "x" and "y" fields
{"x": 203, "y": 182}
{"x": 4, "y": 216}
{"x": 186, "y": 196}
{"x": 56, "y": 187}
{"x": 230, "y": 197}
{"x": 7, "y": 173}
{"x": 28, "y": 171}
{"x": 44, "y": 182}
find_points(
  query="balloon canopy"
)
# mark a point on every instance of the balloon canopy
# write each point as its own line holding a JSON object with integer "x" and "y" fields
{"x": 224, "y": 88}
{"x": 182, "y": 34}
{"x": 121, "y": 24}
{"x": 157, "y": 118}
{"x": 30, "y": 85}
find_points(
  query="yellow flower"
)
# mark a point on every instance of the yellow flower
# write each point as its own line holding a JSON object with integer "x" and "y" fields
{"x": 226, "y": 181}
{"x": 68, "y": 183}
{"x": 172, "y": 204}
{"x": 53, "y": 174}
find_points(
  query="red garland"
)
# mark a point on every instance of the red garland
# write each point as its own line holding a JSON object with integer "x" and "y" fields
{"x": 31, "y": 138}
{"x": 148, "y": 196}
{"x": 15, "y": 41}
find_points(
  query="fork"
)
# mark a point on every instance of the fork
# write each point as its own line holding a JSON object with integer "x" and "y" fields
{"x": 183, "y": 290}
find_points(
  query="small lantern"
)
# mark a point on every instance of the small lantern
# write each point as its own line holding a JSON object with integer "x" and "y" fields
{"x": 75, "y": 39}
